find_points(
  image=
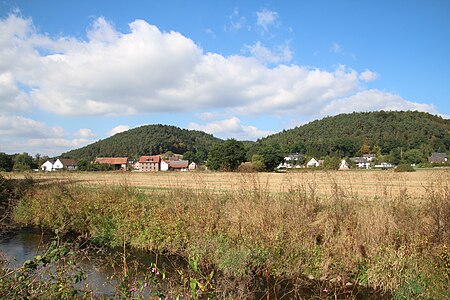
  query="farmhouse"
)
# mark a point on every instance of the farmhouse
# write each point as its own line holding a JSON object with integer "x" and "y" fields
{"x": 164, "y": 165}
{"x": 65, "y": 163}
{"x": 120, "y": 163}
{"x": 361, "y": 162}
{"x": 438, "y": 158}
{"x": 149, "y": 163}
{"x": 192, "y": 166}
{"x": 59, "y": 164}
{"x": 312, "y": 163}
{"x": 47, "y": 166}
{"x": 181, "y": 165}
{"x": 343, "y": 165}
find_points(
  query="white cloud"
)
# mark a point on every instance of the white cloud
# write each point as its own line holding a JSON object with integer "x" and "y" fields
{"x": 17, "y": 132}
{"x": 18, "y": 126}
{"x": 231, "y": 128}
{"x": 118, "y": 129}
{"x": 84, "y": 133}
{"x": 368, "y": 75}
{"x": 266, "y": 18}
{"x": 265, "y": 55}
{"x": 149, "y": 71}
{"x": 372, "y": 100}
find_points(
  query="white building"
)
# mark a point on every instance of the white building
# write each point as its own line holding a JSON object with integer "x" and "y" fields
{"x": 192, "y": 166}
{"x": 164, "y": 165}
{"x": 47, "y": 166}
{"x": 312, "y": 163}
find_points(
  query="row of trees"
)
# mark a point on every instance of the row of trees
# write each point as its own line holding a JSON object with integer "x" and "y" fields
{"x": 20, "y": 162}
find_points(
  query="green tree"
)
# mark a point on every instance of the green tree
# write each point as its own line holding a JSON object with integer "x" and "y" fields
{"x": 413, "y": 156}
{"x": 23, "y": 162}
{"x": 227, "y": 156}
{"x": 271, "y": 156}
{"x": 331, "y": 163}
{"x": 6, "y": 162}
{"x": 258, "y": 162}
{"x": 83, "y": 164}
{"x": 190, "y": 156}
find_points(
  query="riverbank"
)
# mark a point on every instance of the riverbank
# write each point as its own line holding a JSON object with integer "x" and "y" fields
{"x": 395, "y": 244}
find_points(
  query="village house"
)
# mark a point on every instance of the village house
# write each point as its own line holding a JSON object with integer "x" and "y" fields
{"x": 312, "y": 163}
{"x": 438, "y": 158}
{"x": 192, "y": 166}
{"x": 149, "y": 163}
{"x": 369, "y": 157}
{"x": 164, "y": 165}
{"x": 343, "y": 165}
{"x": 361, "y": 162}
{"x": 290, "y": 161}
{"x": 181, "y": 165}
{"x": 119, "y": 163}
{"x": 384, "y": 165}
{"x": 47, "y": 166}
{"x": 59, "y": 164}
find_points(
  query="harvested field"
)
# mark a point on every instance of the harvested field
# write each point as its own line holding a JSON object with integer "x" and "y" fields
{"x": 370, "y": 183}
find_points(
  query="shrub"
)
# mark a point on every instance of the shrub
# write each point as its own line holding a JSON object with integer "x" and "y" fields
{"x": 404, "y": 168}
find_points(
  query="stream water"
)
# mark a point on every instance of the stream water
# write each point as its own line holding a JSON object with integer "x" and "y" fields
{"x": 23, "y": 244}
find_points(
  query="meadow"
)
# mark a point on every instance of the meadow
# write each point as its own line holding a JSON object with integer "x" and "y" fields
{"x": 339, "y": 234}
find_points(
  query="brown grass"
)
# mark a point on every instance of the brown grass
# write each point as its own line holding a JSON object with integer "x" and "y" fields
{"x": 360, "y": 183}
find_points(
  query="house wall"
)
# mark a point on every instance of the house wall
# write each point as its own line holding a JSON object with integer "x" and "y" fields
{"x": 47, "y": 166}
{"x": 58, "y": 165}
{"x": 164, "y": 166}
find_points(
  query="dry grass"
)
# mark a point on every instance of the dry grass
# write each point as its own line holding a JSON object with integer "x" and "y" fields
{"x": 384, "y": 230}
{"x": 363, "y": 183}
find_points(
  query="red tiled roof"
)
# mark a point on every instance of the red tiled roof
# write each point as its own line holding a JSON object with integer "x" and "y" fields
{"x": 178, "y": 164}
{"x": 112, "y": 160}
{"x": 153, "y": 159}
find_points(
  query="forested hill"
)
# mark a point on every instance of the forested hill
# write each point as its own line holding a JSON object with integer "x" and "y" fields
{"x": 148, "y": 140}
{"x": 345, "y": 134}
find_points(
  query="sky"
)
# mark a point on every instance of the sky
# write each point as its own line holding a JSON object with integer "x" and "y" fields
{"x": 74, "y": 72}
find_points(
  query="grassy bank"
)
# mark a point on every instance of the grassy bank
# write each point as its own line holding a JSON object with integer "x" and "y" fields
{"x": 394, "y": 243}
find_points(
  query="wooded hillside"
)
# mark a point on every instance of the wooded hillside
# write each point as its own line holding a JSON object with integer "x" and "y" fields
{"x": 382, "y": 131}
{"x": 148, "y": 140}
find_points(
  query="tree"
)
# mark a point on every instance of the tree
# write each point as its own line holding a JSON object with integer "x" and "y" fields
{"x": 6, "y": 162}
{"x": 413, "y": 156}
{"x": 83, "y": 164}
{"x": 227, "y": 156}
{"x": 190, "y": 156}
{"x": 23, "y": 162}
{"x": 331, "y": 163}
{"x": 258, "y": 162}
{"x": 271, "y": 156}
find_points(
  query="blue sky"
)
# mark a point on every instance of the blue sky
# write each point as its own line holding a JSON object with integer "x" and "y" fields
{"x": 73, "y": 72}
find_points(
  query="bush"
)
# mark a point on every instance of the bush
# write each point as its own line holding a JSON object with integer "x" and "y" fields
{"x": 404, "y": 168}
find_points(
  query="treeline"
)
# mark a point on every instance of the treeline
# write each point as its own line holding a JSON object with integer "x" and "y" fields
{"x": 20, "y": 162}
{"x": 148, "y": 140}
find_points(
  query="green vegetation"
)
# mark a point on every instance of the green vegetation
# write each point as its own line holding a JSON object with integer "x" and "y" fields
{"x": 227, "y": 156}
{"x": 396, "y": 244}
{"x": 410, "y": 136}
{"x": 148, "y": 140}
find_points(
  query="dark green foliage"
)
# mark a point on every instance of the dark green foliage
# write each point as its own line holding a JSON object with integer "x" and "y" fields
{"x": 345, "y": 134}
{"x": 270, "y": 156}
{"x": 227, "y": 156}
{"x": 148, "y": 140}
{"x": 6, "y": 162}
{"x": 23, "y": 162}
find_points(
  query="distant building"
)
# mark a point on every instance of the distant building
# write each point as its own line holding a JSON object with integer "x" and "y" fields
{"x": 343, "y": 165}
{"x": 369, "y": 157}
{"x": 312, "y": 163}
{"x": 59, "y": 164}
{"x": 192, "y": 166}
{"x": 119, "y": 163}
{"x": 149, "y": 163}
{"x": 438, "y": 158}
{"x": 384, "y": 165}
{"x": 361, "y": 162}
{"x": 164, "y": 166}
{"x": 181, "y": 165}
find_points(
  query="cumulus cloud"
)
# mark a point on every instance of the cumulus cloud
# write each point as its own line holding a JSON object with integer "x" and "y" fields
{"x": 149, "y": 71}
{"x": 118, "y": 129}
{"x": 231, "y": 128}
{"x": 17, "y": 132}
{"x": 84, "y": 133}
{"x": 368, "y": 75}
{"x": 372, "y": 100}
{"x": 266, "y": 18}
{"x": 265, "y": 55}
